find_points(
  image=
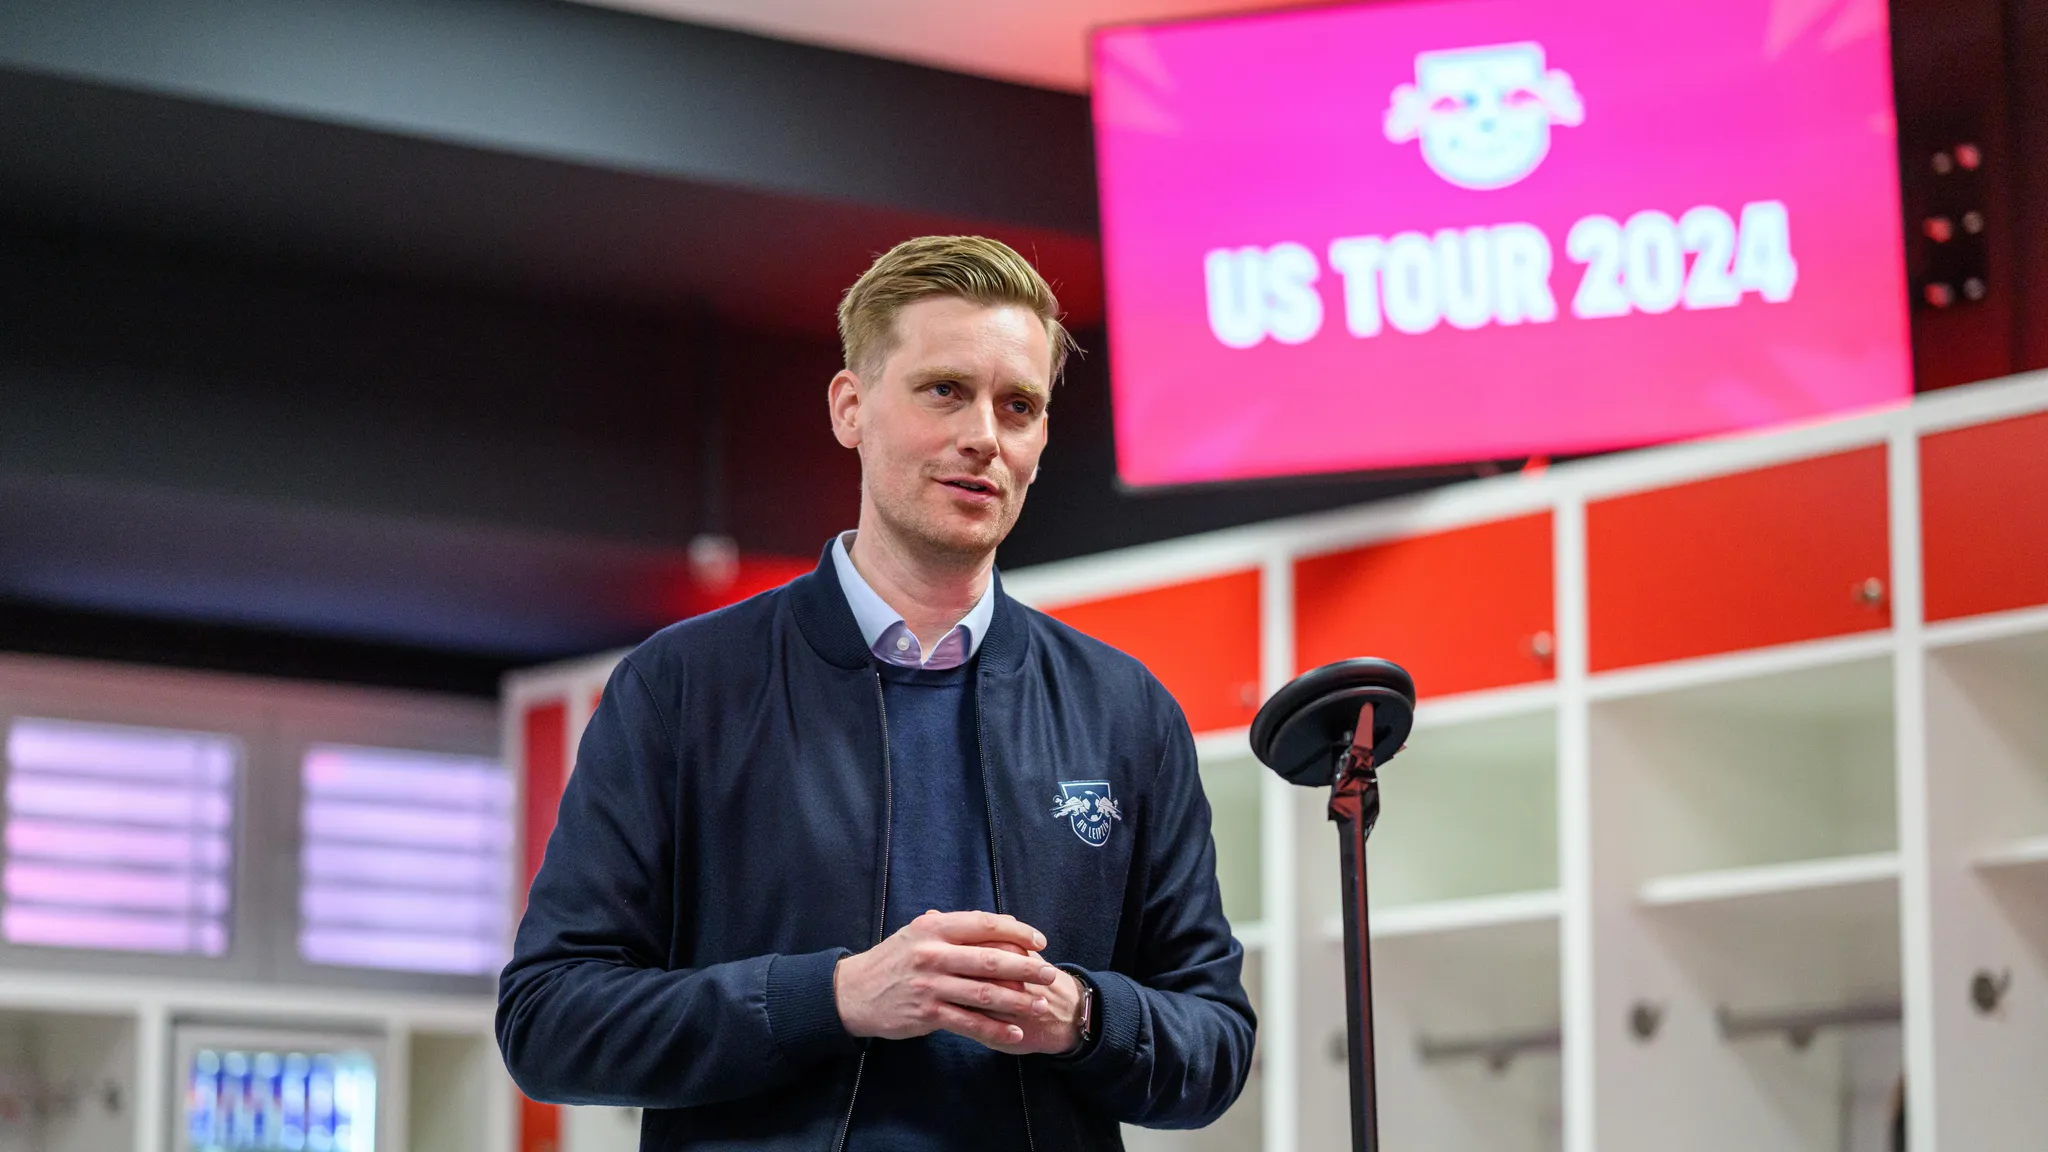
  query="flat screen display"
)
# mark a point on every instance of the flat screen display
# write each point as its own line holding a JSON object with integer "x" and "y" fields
{"x": 1409, "y": 234}
{"x": 260, "y": 1090}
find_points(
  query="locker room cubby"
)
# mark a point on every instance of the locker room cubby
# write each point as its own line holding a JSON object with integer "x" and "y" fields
{"x": 67, "y": 1081}
{"x": 1468, "y": 814}
{"x": 1464, "y": 934}
{"x": 1744, "y": 849}
{"x": 1231, "y": 779}
{"x": 1759, "y": 772}
{"x": 453, "y": 1078}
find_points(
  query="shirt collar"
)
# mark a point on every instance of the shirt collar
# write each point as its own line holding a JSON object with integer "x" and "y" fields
{"x": 880, "y": 624}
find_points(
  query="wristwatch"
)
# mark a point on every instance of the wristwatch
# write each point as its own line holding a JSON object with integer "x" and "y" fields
{"x": 1085, "y": 1023}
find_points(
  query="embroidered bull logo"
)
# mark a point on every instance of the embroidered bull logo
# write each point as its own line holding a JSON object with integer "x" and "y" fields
{"x": 1483, "y": 114}
{"x": 1089, "y": 807}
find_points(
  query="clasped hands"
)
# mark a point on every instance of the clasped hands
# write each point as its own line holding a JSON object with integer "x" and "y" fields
{"x": 975, "y": 974}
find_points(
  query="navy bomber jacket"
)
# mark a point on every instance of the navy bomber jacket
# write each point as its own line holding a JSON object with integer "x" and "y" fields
{"x": 723, "y": 841}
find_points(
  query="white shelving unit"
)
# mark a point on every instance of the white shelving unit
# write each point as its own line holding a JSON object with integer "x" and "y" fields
{"x": 1712, "y": 903}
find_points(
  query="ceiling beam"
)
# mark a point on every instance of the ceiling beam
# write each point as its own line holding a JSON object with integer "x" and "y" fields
{"x": 596, "y": 87}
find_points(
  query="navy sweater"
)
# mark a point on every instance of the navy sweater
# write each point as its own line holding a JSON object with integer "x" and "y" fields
{"x": 725, "y": 839}
{"x": 942, "y": 1092}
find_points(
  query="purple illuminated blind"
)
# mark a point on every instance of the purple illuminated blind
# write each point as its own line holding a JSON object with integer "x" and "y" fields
{"x": 118, "y": 838}
{"x": 407, "y": 861}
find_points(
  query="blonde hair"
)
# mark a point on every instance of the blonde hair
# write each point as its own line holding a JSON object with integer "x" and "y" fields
{"x": 974, "y": 268}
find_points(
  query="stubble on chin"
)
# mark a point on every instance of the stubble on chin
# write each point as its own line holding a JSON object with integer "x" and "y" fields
{"x": 949, "y": 539}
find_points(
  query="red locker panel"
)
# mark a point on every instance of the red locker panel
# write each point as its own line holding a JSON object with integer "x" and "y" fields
{"x": 1200, "y": 638}
{"x": 1793, "y": 552}
{"x": 540, "y": 1126}
{"x": 1462, "y": 610}
{"x": 543, "y": 749}
{"x": 1984, "y": 517}
{"x": 544, "y": 740}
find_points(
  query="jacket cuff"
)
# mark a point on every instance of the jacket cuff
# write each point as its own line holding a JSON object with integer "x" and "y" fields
{"x": 1118, "y": 1013}
{"x": 803, "y": 1011}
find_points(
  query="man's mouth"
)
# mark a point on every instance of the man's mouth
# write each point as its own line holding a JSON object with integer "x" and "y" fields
{"x": 967, "y": 485}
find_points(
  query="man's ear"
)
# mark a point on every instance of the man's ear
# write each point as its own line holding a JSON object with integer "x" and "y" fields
{"x": 843, "y": 397}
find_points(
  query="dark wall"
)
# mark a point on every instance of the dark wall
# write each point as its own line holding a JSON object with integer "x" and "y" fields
{"x": 2025, "y": 34}
{"x": 167, "y": 369}
{"x": 1958, "y": 80}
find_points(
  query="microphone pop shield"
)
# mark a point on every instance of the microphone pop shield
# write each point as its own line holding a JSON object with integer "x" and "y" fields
{"x": 1302, "y": 730}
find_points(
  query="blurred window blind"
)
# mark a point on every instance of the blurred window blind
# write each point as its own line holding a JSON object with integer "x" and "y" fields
{"x": 406, "y": 861}
{"x": 118, "y": 838}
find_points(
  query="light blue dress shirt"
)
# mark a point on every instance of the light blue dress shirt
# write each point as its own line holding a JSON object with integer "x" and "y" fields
{"x": 889, "y": 638}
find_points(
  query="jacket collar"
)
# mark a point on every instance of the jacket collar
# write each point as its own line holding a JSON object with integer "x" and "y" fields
{"x": 827, "y": 623}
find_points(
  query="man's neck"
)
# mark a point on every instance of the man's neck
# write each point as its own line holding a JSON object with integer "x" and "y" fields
{"x": 931, "y": 594}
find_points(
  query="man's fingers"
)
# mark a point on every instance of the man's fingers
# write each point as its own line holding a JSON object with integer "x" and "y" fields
{"x": 977, "y": 1027}
{"x": 984, "y": 928}
{"x": 982, "y": 996}
{"x": 983, "y": 963}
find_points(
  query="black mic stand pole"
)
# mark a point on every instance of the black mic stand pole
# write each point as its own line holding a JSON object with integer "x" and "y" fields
{"x": 1355, "y": 807}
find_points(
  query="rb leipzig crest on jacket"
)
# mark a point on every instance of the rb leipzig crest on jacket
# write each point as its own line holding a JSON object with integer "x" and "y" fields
{"x": 1483, "y": 114}
{"x": 1088, "y": 805}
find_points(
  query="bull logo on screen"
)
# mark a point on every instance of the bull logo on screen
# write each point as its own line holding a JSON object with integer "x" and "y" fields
{"x": 1483, "y": 114}
{"x": 1089, "y": 807}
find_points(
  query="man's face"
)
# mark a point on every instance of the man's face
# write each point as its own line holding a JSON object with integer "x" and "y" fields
{"x": 949, "y": 430}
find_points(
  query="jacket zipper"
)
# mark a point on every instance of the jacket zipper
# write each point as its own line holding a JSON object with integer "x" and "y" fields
{"x": 995, "y": 866}
{"x": 882, "y": 912}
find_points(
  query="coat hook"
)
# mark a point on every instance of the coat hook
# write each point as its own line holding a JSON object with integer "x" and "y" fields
{"x": 1987, "y": 991}
{"x": 1644, "y": 1019}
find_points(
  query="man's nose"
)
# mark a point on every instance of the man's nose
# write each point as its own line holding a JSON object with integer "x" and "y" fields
{"x": 977, "y": 431}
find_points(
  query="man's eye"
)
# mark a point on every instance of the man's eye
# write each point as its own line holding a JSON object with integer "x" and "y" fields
{"x": 942, "y": 389}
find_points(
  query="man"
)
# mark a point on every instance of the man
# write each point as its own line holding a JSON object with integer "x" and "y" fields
{"x": 882, "y": 859}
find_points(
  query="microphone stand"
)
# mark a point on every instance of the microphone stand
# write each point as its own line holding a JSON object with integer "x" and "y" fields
{"x": 1333, "y": 727}
{"x": 1355, "y": 807}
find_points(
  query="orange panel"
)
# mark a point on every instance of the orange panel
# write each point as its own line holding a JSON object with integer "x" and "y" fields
{"x": 1201, "y": 639}
{"x": 544, "y": 749}
{"x": 1984, "y": 517}
{"x": 1773, "y": 556}
{"x": 1461, "y": 610}
{"x": 540, "y": 1126}
{"x": 544, "y": 735}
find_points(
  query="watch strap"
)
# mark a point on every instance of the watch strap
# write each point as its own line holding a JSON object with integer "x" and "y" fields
{"x": 1088, "y": 1024}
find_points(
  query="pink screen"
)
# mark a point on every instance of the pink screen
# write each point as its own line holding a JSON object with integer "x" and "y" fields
{"x": 1407, "y": 234}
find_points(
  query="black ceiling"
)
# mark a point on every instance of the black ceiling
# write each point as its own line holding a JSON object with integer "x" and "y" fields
{"x": 257, "y": 186}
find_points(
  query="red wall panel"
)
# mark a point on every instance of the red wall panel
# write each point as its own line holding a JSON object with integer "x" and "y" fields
{"x": 543, "y": 750}
{"x": 1984, "y": 517}
{"x": 1772, "y": 556}
{"x": 1200, "y": 638}
{"x": 1460, "y": 610}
